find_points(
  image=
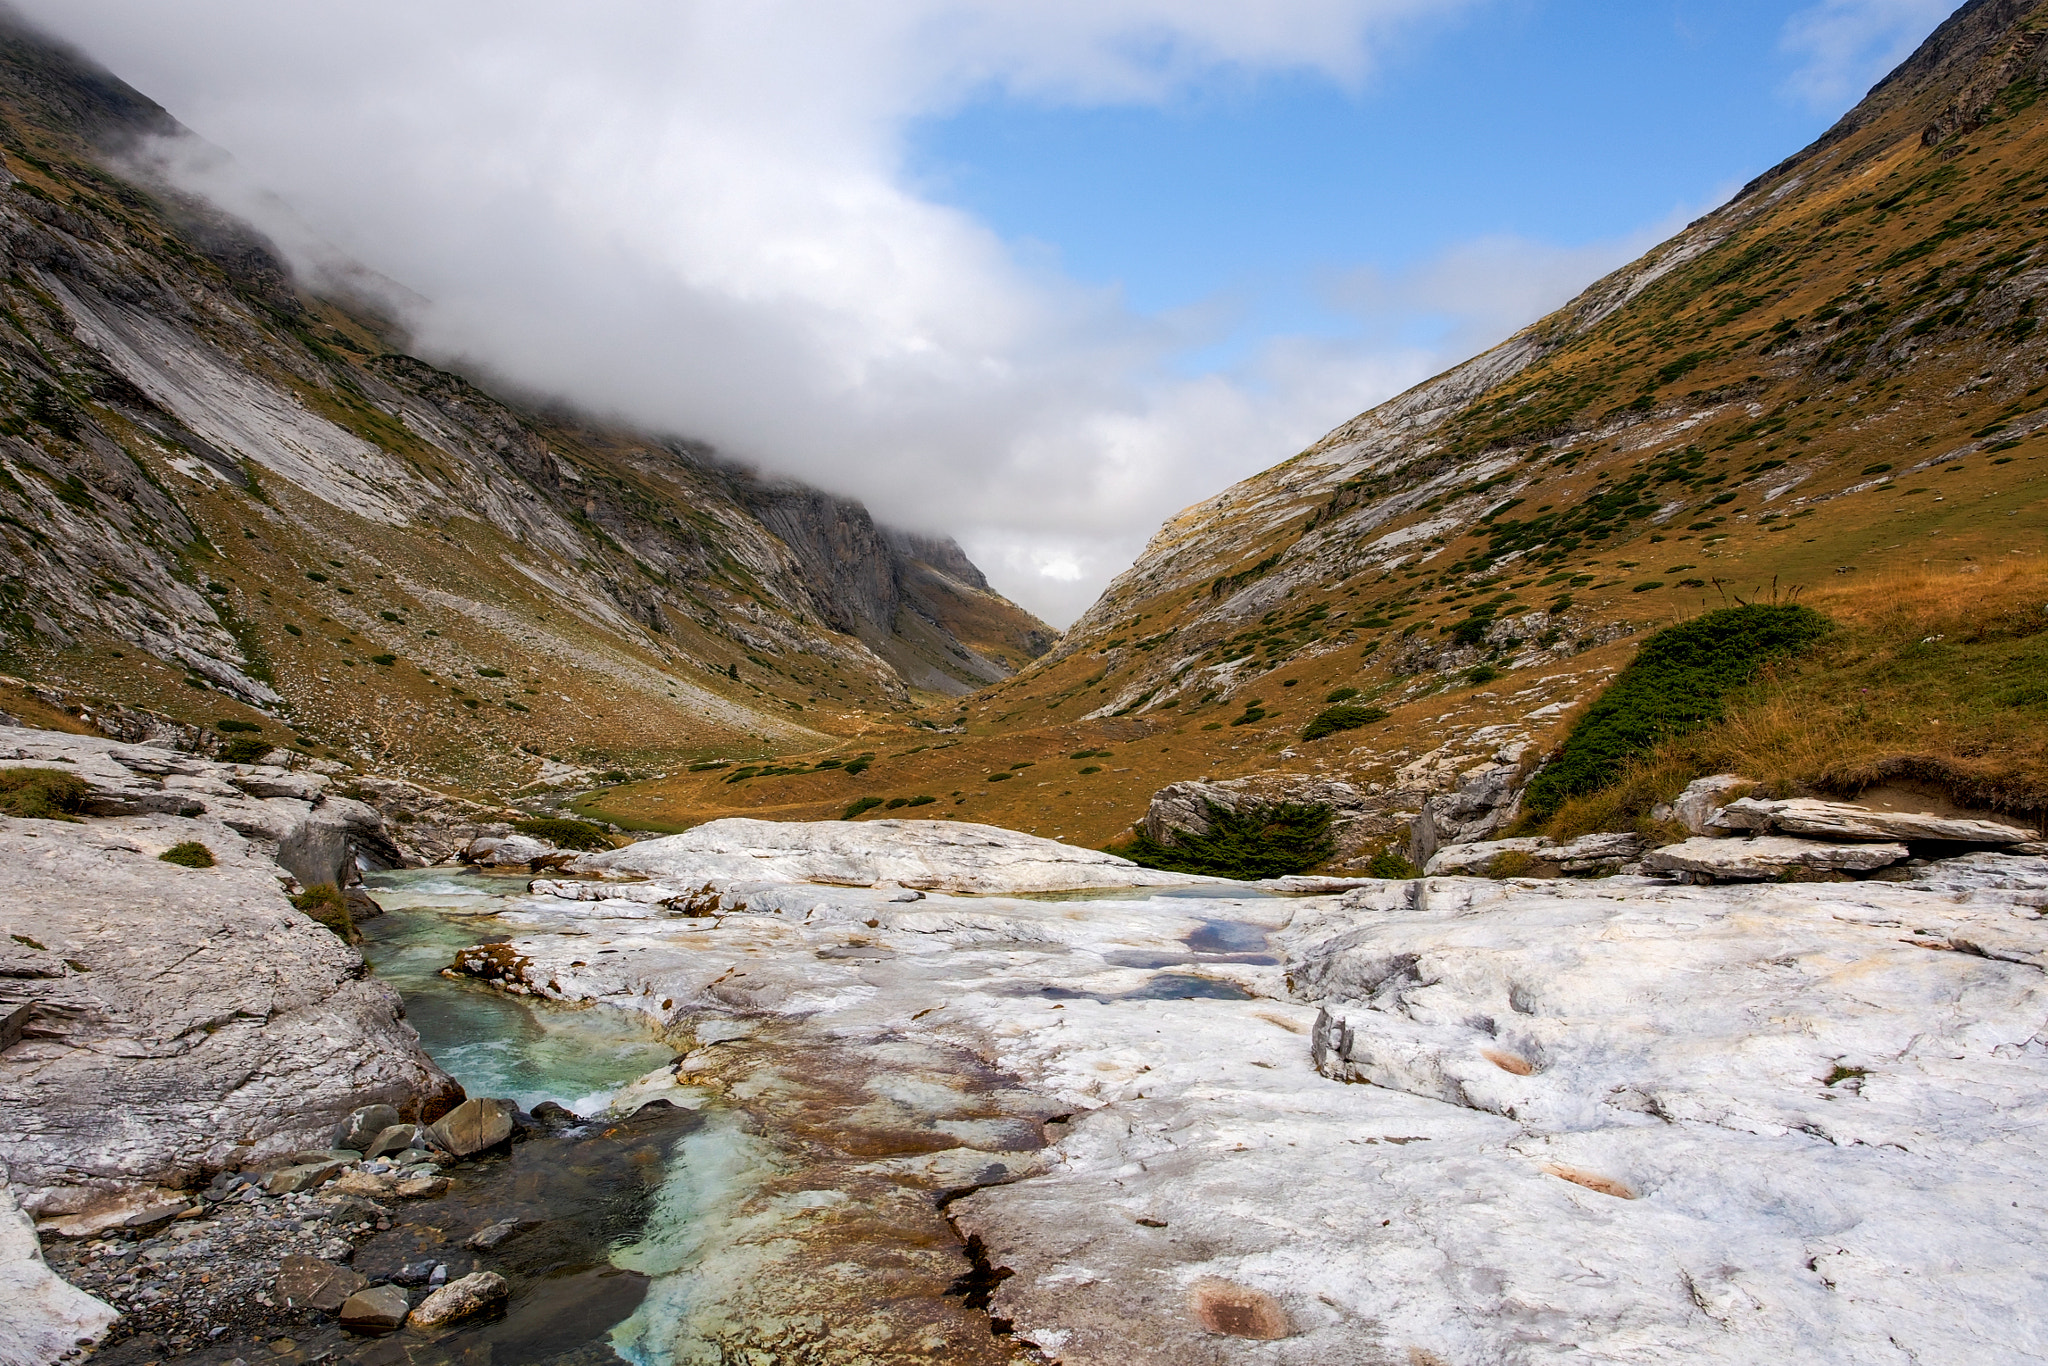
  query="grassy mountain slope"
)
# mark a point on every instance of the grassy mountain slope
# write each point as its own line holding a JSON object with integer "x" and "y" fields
{"x": 223, "y": 496}
{"x": 1835, "y": 384}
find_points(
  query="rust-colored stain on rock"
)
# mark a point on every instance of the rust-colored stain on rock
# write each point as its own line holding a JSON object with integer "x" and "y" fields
{"x": 1237, "y": 1311}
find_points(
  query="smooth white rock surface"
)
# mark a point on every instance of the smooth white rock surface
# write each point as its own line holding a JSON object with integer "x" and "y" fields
{"x": 1787, "y": 1122}
{"x": 1848, "y": 821}
{"x": 1767, "y": 856}
{"x": 950, "y": 856}
{"x": 43, "y": 1318}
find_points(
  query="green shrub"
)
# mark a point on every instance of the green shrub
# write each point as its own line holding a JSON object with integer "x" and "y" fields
{"x": 386, "y": 660}
{"x": 1253, "y": 842}
{"x": 188, "y": 854}
{"x": 44, "y": 794}
{"x": 490, "y": 673}
{"x": 859, "y": 806}
{"x": 1391, "y": 865}
{"x": 1480, "y": 674}
{"x": 920, "y": 801}
{"x": 324, "y": 903}
{"x": 1000, "y": 777}
{"x": 1676, "y": 683}
{"x": 563, "y": 833}
{"x": 1343, "y": 716}
{"x": 856, "y": 767}
{"x": 1092, "y": 768}
{"x": 227, "y": 725}
{"x": 1342, "y": 695}
{"x": 246, "y": 751}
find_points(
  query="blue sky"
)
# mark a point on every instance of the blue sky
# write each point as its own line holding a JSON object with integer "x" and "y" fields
{"x": 1033, "y": 273}
{"x": 1555, "y": 121}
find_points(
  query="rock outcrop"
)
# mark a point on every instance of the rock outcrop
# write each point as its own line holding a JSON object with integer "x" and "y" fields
{"x": 953, "y": 856}
{"x": 1711, "y": 1124}
{"x": 174, "y": 1021}
{"x": 46, "y": 1319}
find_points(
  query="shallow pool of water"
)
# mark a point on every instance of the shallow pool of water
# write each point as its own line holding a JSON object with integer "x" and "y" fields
{"x": 495, "y": 1045}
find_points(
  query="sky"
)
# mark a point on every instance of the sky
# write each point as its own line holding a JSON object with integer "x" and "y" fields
{"x": 1035, "y": 274}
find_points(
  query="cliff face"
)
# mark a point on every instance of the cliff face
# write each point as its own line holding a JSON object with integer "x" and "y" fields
{"x": 1762, "y": 396}
{"x": 217, "y": 487}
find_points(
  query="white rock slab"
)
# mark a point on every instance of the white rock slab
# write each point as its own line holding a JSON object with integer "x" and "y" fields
{"x": 1767, "y": 856}
{"x": 951, "y": 856}
{"x": 1695, "y": 807}
{"x": 1725, "y": 1124}
{"x": 1848, "y": 821}
{"x": 45, "y": 1318}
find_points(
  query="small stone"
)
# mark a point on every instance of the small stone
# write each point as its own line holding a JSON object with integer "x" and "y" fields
{"x": 421, "y": 1188}
{"x": 310, "y": 1283}
{"x": 413, "y": 1274}
{"x": 380, "y": 1309}
{"x": 473, "y": 1126}
{"x": 153, "y": 1219}
{"x": 364, "y": 1125}
{"x": 486, "y": 1239}
{"x": 481, "y": 1292}
{"x": 369, "y": 1185}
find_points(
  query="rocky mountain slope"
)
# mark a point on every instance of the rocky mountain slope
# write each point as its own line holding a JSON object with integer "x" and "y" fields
{"x": 1831, "y": 384}
{"x": 222, "y": 495}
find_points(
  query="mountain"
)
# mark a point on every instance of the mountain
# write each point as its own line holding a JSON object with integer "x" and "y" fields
{"x": 1831, "y": 384}
{"x": 225, "y": 495}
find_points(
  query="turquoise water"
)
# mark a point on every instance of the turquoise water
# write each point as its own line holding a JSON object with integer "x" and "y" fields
{"x": 495, "y": 1045}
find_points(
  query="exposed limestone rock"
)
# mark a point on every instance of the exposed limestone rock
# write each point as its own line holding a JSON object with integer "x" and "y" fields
{"x": 514, "y": 851}
{"x": 480, "y": 1292}
{"x": 1486, "y": 797}
{"x": 1730, "y": 1123}
{"x": 44, "y": 1319}
{"x": 1848, "y": 821}
{"x": 428, "y": 827}
{"x": 1694, "y": 808}
{"x": 1767, "y": 856}
{"x": 230, "y": 1027}
{"x": 1538, "y": 856}
{"x": 952, "y": 856}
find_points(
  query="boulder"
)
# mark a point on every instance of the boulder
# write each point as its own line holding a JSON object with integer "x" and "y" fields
{"x": 395, "y": 1138}
{"x": 1477, "y": 859}
{"x": 380, "y": 1309}
{"x": 473, "y": 1126}
{"x": 363, "y": 1125}
{"x": 233, "y": 1030}
{"x": 951, "y": 856}
{"x": 480, "y": 1292}
{"x": 1694, "y": 808}
{"x": 288, "y": 1180}
{"x": 508, "y": 851}
{"x": 310, "y": 1283}
{"x": 1486, "y": 798}
{"x": 421, "y": 1187}
{"x": 1767, "y": 856}
{"x": 46, "y": 1319}
{"x": 1848, "y": 821}
{"x": 1538, "y": 855}
{"x": 368, "y": 1185}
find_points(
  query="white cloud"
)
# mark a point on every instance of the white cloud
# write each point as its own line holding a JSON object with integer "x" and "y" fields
{"x": 1846, "y": 46}
{"x": 695, "y": 215}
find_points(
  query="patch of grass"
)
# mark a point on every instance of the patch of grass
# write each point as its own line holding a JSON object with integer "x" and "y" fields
{"x": 1389, "y": 864}
{"x": 188, "y": 854}
{"x": 1253, "y": 842}
{"x": 1343, "y": 716}
{"x": 1677, "y": 682}
{"x": 43, "y": 794}
{"x": 858, "y": 807}
{"x": 324, "y": 903}
{"x": 246, "y": 751}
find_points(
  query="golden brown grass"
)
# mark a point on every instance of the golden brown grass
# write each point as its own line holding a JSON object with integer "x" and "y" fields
{"x": 1938, "y": 678}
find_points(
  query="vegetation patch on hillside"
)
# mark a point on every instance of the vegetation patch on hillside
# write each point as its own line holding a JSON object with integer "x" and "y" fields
{"x": 1936, "y": 680}
{"x": 564, "y": 833}
{"x": 1678, "y": 682}
{"x": 48, "y": 794}
{"x": 1255, "y": 841}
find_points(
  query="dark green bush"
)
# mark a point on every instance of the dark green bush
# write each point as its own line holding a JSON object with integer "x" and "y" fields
{"x": 1480, "y": 674}
{"x": 859, "y": 806}
{"x": 246, "y": 751}
{"x": 1343, "y": 716}
{"x": 227, "y": 725}
{"x": 1253, "y": 842}
{"x": 564, "y": 833}
{"x": 45, "y": 794}
{"x": 386, "y": 660}
{"x": 324, "y": 903}
{"x": 188, "y": 854}
{"x": 1676, "y": 683}
{"x": 855, "y": 767}
{"x": 920, "y": 801}
{"x": 1342, "y": 695}
{"x": 1391, "y": 865}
